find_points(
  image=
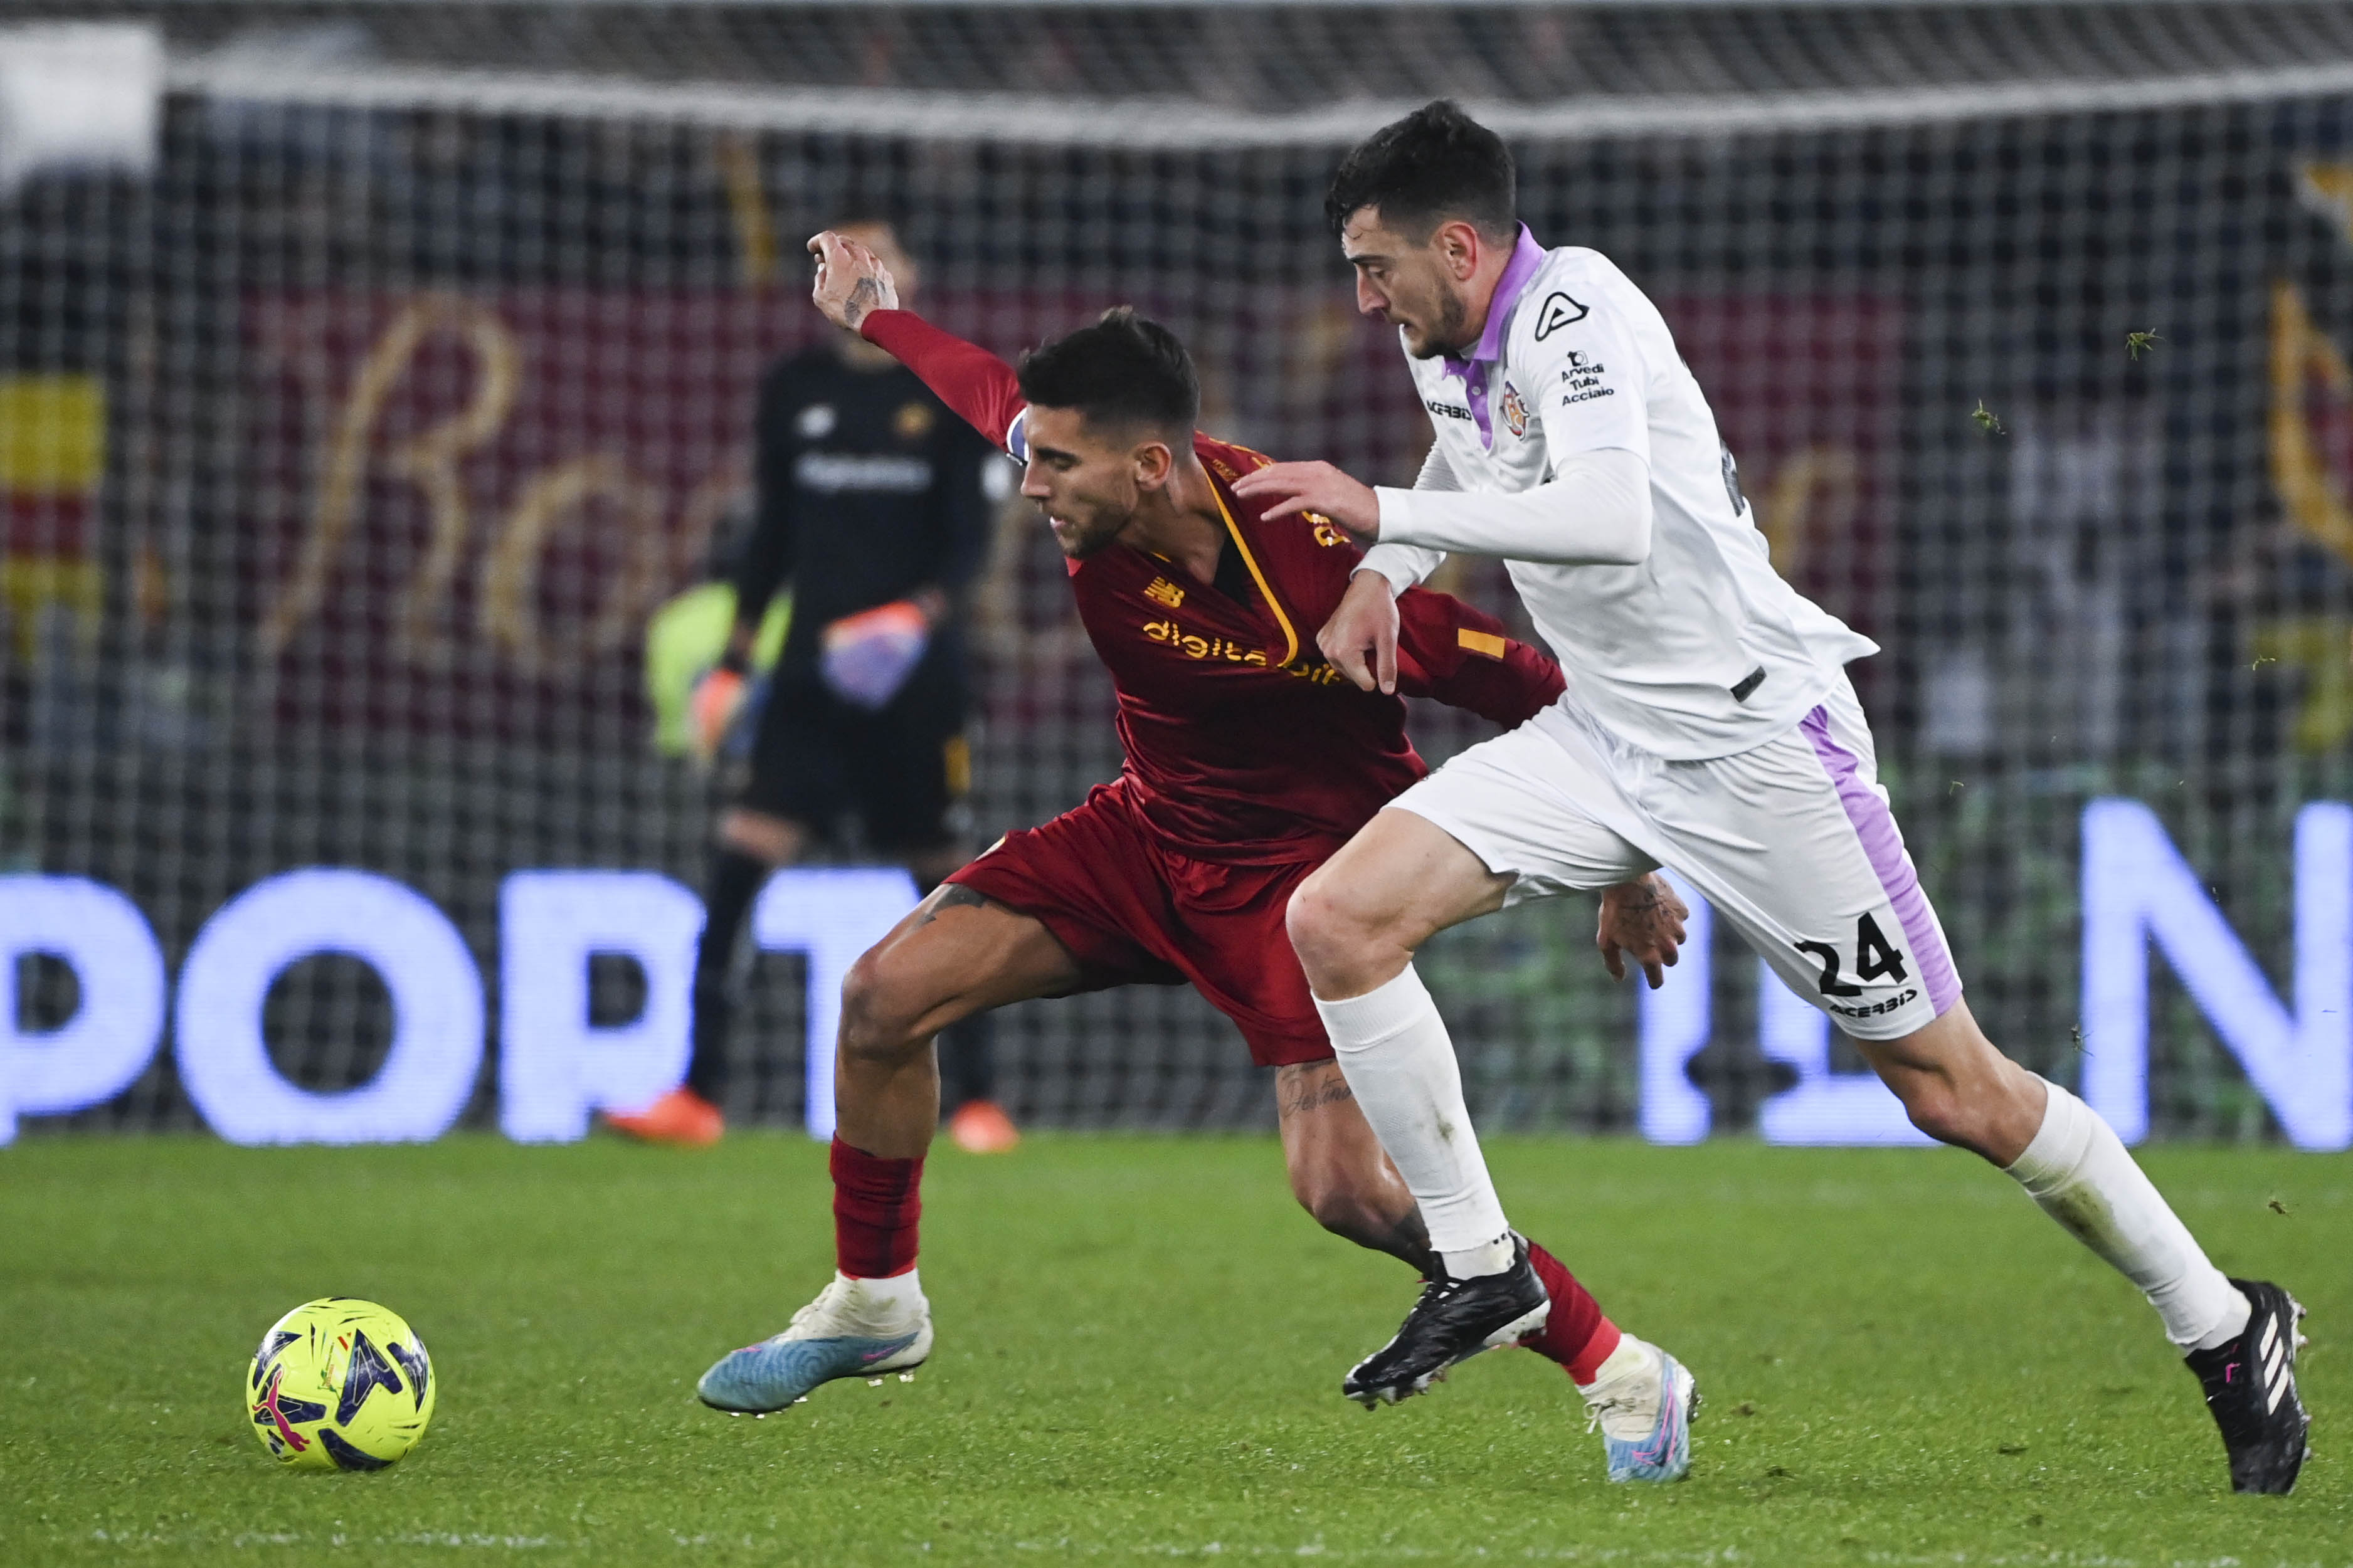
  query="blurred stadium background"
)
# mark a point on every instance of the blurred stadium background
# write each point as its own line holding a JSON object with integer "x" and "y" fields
{"x": 360, "y": 404}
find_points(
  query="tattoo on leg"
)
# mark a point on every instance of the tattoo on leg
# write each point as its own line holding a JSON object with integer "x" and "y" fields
{"x": 957, "y": 897}
{"x": 1306, "y": 1093}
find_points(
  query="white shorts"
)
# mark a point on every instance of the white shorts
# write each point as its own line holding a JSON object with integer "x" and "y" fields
{"x": 1792, "y": 842}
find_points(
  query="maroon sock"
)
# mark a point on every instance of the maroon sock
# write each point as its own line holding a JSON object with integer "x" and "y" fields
{"x": 876, "y": 1203}
{"x": 1577, "y": 1336}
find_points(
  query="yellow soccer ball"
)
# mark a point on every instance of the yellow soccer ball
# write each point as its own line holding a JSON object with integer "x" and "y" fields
{"x": 340, "y": 1384}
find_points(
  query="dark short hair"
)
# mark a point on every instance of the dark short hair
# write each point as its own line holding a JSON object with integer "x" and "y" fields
{"x": 1434, "y": 164}
{"x": 1124, "y": 370}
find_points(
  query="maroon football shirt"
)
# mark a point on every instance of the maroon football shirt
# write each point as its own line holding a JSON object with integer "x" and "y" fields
{"x": 1243, "y": 744}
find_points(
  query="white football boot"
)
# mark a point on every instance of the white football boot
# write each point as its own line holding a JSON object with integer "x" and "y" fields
{"x": 1643, "y": 1400}
{"x": 851, "y": 1329}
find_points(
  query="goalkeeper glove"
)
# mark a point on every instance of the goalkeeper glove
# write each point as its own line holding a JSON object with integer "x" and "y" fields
{"x": 868, "y": 656}
{"x": 711, "y": 707}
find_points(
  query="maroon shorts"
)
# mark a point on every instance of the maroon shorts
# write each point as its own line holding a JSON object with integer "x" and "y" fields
{"x": 1135, "y": 912}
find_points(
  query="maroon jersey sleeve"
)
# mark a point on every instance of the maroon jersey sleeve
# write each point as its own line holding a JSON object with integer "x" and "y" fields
{"x": 979, "y": 385}
{"x": 1460, "y": 656}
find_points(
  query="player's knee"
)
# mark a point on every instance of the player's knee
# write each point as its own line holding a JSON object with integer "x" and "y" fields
{"x": 877, "y": 1018}
{"x": 1327, "y": 924}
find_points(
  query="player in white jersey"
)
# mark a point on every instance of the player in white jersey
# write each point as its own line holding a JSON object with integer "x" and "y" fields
{"x": 1707, "y": 726}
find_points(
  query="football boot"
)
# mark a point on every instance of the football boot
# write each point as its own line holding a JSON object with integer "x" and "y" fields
{"x": 2250, "y": 1386}
{"x": 1644, "y": 1413}
{"x": 682, "y": 1118}
{"x": 846, "y": 1333}
{"x": 1454, "y": 1321}
{"x": 981, "y": 1126}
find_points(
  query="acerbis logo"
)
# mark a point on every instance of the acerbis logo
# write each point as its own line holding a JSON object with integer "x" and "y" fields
{"x": 1559, "y": 310}
{"x": 1446, "y": 410}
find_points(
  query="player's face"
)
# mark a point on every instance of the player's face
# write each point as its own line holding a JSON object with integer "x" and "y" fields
{"x": 1088, "y": 482}
{"x": 1418, "y": 287}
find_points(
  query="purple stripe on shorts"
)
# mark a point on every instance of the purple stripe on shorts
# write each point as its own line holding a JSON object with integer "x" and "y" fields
{"x": 1884, "y": 843}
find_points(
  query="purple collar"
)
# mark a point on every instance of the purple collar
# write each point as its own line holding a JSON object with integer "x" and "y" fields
{"x": 1526, "y": 257}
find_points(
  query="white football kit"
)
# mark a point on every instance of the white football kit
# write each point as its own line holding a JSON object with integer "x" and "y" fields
{"x": 1708, "y": 725}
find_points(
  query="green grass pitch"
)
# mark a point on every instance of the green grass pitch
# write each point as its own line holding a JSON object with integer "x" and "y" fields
{"x": 1140, "y": 1343}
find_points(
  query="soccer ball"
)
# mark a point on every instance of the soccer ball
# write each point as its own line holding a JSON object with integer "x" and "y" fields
{"x": 340, "y": 1384}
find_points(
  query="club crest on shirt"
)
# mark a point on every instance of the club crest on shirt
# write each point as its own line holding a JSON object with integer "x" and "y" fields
{"x": 1515, "y": 411}
{"x": 1558, "y": 311}
{"x": 913, "y": 421}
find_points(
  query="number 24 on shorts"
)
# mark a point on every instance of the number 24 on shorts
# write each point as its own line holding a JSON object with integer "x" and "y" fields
{"x": 1874, "y": 957}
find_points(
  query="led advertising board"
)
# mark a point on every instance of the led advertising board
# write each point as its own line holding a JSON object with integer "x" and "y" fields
{"x": 557, "y": 1067}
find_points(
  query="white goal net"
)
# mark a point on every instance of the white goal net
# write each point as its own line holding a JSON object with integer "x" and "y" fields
{"x": 360, "y": 408}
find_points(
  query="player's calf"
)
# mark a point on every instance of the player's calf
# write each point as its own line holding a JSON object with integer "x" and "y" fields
{"x": 1352, "y": 1218}
{"x": 1958, "y": 1089}
{"x": 1337, "y": 1170}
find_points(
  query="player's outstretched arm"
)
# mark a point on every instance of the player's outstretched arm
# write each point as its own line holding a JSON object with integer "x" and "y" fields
{"x": 1461, "y": 657}
{"x": 854, "y": 291}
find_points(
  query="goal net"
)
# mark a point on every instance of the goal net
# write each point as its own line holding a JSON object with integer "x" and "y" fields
{"x": 362, "y": 408}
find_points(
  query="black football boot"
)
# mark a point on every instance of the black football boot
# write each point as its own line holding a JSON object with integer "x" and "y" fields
{"x": 2250, "y": 1386}
{"x": 1455, "y": 1320}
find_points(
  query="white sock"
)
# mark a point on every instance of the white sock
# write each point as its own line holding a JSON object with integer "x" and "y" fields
{"x": 2077, "y": 1169}
{"x": 889, "y": 1301}
{"x": 1630, "y": 1355}
{"x": 1400, "y": 1064}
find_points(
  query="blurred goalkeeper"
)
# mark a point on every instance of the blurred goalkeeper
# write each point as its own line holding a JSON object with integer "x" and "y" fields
{"x": 870, "y": 503}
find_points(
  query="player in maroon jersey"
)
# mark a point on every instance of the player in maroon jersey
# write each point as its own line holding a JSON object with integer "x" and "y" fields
{"x": 1249, "y": 761}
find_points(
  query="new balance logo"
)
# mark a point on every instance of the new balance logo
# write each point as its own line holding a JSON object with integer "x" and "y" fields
{"x": 1559, "y": 310}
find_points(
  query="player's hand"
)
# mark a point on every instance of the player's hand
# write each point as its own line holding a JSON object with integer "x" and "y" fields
{"x": 1360, "y": 640}
{"x": 867, "y": 657}
{"x": 1641, "y": 919}
{"x": 1318, "y": 487}
{"x": 711, "y": 708}
{"x": 851, "y": 280}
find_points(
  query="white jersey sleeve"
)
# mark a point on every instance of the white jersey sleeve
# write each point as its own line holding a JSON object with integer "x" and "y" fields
{"x": 1407, "y": 565}
{"x": 1594, "y": 511}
